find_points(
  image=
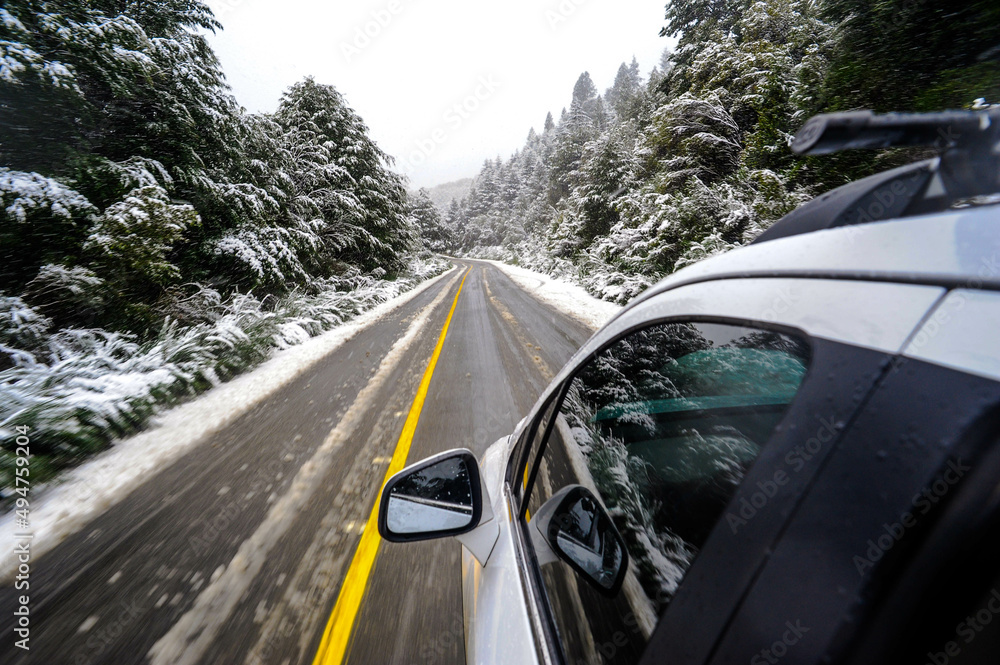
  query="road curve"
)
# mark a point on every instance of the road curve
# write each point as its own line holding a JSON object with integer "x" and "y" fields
{"x": 237, "y": 552}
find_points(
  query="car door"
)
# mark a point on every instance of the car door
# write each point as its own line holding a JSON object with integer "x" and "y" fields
{"x": 682, "y": 417}
{"x": 892, "y": 554}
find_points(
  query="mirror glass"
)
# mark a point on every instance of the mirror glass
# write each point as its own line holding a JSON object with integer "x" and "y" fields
{"x": 582, "y": 534}
{"x": 435, "y": 498}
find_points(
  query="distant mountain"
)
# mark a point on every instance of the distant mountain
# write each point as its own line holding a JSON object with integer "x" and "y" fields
{"x": 443, "y": 194}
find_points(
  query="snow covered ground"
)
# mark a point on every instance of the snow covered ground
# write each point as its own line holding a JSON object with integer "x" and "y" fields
{"x": 569, "y": 298}
{"x": 91, "y": 488}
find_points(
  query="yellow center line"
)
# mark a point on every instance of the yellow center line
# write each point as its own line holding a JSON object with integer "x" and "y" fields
{"x": 336, "y": 636}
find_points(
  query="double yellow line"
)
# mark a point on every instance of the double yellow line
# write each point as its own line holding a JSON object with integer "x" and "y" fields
{"x": 337, "y": 635}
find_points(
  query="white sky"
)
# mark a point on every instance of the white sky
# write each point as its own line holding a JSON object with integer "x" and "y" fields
{"x": 521, "y": 57}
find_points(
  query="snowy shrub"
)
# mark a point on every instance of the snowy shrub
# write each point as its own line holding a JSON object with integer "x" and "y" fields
{"x": 190, "y": 304}
{"x": 203, "y": 355}
{"x": 704, "y": 248}
{"x": 133, "y": 237}
{"x": 27, "y": 196}
{"x": 22, "y": 329}
{"x": 78, "y": 389}
{"x": 607, "y": 283}
{"x": 110, "y": 181}
{"x": 773, "y": 197}
{"x": 19, "y": 61}
{"x": 694, "y": 136}
{"x": 66, "y": 295}
{"x": 261, "y": 256}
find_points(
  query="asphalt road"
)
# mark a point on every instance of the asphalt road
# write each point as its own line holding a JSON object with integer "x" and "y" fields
{"x": 237, "y": 552}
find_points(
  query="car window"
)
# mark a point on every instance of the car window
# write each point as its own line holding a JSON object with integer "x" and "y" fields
{"x": 661, "y": 427}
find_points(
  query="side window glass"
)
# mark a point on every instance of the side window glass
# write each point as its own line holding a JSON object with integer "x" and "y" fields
{"x": 660, "y": 428}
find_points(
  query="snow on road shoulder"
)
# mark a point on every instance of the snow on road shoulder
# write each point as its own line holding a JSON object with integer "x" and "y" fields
{"x": 568, "y": 298}
{"x": 91, "y": 488}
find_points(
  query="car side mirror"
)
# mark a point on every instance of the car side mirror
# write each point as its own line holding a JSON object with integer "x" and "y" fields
{"x": 574, "y": 526}
{"x": 437, "y": 497}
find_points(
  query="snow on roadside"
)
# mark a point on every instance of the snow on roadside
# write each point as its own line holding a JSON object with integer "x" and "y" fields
{"x": 91, "y": 488}
{"x": 568, "y": 298}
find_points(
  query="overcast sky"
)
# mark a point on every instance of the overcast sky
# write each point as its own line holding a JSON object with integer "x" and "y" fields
{"x": 442, "y": 84}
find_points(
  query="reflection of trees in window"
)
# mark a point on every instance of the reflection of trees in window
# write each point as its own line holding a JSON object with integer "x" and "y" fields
{"x": 659, "y": 556}
{"x": 633, "y": 366}
{"x": 768, "y": 340}
{"x": 669, "y": 422}
{"x": 445, "y": 481}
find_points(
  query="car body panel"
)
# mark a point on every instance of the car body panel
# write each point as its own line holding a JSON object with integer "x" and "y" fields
{"x": 972, "y": 340}
{"x": 946, "y": 248}
{"x": 874, "y": 315}
{"x": 497, "y": 624}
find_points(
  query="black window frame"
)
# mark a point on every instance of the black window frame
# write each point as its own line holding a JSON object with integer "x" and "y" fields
{"x": 968, "y": 517}
{"x": 841, "y": 615}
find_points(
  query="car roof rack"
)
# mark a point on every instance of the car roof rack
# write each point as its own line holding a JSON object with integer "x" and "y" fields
{"x": 967, "y": 166}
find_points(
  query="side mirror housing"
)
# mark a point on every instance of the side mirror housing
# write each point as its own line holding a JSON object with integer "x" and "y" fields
{"x": 574, "y": 527}
{"x": 438, "y": 497}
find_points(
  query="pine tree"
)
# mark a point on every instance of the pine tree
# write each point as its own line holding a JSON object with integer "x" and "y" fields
{"x": 549, "y": 123}
{"x": 693, "y": 19}
{"x": 125, "y": 162}
{"x": 622, "y": 95}
{"x": 584, "y": 92}
{"x": 344, "y": 188}
{"x": 427, "y": 219}
{"x": 576, "y": 128}
{"x": 913, "y": 56}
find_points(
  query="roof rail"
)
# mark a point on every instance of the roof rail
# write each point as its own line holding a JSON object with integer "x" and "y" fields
{"x": 967, "y": 166}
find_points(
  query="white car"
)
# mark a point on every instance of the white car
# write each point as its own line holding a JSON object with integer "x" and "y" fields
{"x": 787, "y": 453}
